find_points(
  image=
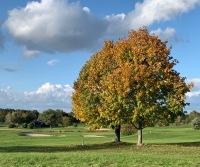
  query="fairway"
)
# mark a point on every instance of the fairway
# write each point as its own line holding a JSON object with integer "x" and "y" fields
{"x": 164, "y": 146}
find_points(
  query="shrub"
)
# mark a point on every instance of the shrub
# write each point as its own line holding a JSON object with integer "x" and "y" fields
{"x": 31, "y": 125}
{"x": 39, "y": 124}
{"x": 75, "y": 124}
{"x": 11, "y": 125}
{"x": 128, "y": 129}
{"x": 24, "y": 125}
{"x": 196, "y": 123}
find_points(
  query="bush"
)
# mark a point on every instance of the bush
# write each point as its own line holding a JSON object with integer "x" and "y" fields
{"x": 128, "y": 129}
{"x": 196, "y": 123}
{"x": 11, "y": 125}
{"x": 31, "y": 125}
{"x": 24, "y": 125}
{"x": 75, "y": 124}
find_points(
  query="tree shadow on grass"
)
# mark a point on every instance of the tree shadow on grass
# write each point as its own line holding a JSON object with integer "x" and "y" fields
{"x": 73, "y": 148}
{"x": 183, "y": 144}
{"x": 51, "y": 149}
{"x": 187, "y": 144}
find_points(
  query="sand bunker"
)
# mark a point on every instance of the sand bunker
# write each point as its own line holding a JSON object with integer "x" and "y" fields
{"x": 37, "y": 135}
{"x": 93, "y": 136}
{"x": 103, "y": 129}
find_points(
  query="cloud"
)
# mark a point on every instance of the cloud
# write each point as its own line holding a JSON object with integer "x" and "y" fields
{"x": 148, "y": 12}
{"x": 86, "y": 9}
{"x": 168, "y": 34}
{"x": 54, "y": 26}
{"x": 8, "y": 69}
{"x": 52, "y": 62}
{"x": 61, "y": 26}
{"x": 118, "y": 24}
{"x": 5, "y": 94}
{"x": 193, "y": 97}
{"x": 55, "y": 96}
{"x": 196, "y": 89}
{"x": 30, "y": 53}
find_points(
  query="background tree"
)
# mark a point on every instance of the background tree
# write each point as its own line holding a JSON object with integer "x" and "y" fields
{"x": 132, "y": 81}
{"x": 51, "y": 117}
{"x": 8, "y": 118}
{"x": 19, "y": 117}
{"x": 196, "y": 123}
{"x": 3, "y": 113}
{"x": 66, "y": 121}
{"x": 192, "y": 115}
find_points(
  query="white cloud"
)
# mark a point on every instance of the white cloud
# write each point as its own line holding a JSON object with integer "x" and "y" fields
{"x": 117, "y": 24}
{"x": 151, "y": 11}
{"x": 54, "y": 26}
{"x": 5, "y": 94}
{"x": 52, "y": 62}
{"x": 148, "y": 12}
{"x": 168, "y": 34}
{"x": 60, "y": 26}
{"x": 55, "y": 96}
{"x": 196, "y": 89}
{"x": 30, "y": 53}
{"x": 86, "y": 9}
{"x": 193, "y": 97}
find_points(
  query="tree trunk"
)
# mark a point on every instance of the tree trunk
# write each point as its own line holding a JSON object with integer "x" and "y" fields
{"x": 117, "y": 133}
{"x": 139, "y": 142}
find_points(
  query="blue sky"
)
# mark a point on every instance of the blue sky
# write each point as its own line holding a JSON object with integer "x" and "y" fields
{"x": 45, "y": 43}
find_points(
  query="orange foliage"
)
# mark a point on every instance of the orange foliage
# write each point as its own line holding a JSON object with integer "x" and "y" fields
{"x": 131, "y": 80}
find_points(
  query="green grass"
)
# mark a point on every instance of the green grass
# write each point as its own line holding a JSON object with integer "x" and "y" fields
{"x": 167, "y": 146}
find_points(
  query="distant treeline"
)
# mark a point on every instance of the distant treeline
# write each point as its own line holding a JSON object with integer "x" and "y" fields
{"x": 34, "y": 119}
{"x": 54, "y": 118}
{"x": 187, "y": 118}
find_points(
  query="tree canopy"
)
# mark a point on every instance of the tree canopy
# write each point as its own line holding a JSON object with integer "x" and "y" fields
{"x": 132, "y": 81}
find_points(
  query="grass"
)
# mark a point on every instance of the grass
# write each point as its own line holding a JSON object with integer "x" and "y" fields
{"x": 168, "y": 146}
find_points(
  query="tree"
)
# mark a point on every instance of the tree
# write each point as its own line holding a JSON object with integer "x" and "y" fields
{"x": 132, "y": 81}
{"x": 196, "y": 123}
{"x": 192, "y": 115}
{"x": 66, "y": 121}
{"x": 20, "y": 116}
{"x": 51, "y": 117}
{"x": 3, "y": 114}
{"x": 8, "y": 118}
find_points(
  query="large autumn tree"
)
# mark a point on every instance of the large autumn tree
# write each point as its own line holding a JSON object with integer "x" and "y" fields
{"x": 131, "y": 81}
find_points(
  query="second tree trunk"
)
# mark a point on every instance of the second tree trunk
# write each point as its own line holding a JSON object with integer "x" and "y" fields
{"x": 139, "y": 142}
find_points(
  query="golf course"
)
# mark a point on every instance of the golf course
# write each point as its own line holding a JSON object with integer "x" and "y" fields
{"x": 100, "y": 83}
{"x": 77, "y": 146}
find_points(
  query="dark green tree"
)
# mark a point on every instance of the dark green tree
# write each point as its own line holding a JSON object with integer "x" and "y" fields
{"x": 51, "y": 117}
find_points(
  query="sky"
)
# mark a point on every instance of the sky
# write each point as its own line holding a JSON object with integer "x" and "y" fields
{"x": 44, "y": 44}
